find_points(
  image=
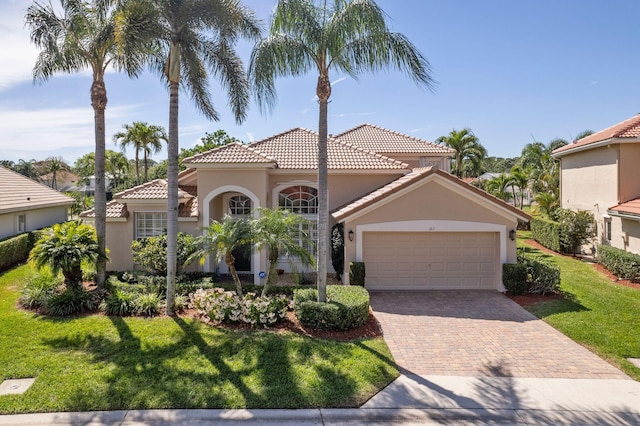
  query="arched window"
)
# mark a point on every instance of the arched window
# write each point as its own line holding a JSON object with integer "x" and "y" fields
{"x": 299, "y": 199}
{"x": 239, "y": 205}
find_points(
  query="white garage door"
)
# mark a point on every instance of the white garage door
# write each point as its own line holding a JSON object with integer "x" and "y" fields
{"x": 431, "y": 260}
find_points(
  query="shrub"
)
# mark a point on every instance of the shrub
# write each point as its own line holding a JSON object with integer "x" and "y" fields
{"x": 576, "y": 228}
{"x": 357, "y": 273}
{"x": 71, "y": 301}
{"x": 147, "y": 304}
{"x": 40, "y": 288}
{"x": 547, "y": 233}
{"x": 13, "y": 251}
{"x": 542, "y": 276}
{"x": 514, "y": 278}
{"x": 217, "y": 306}
{"x": 337, "y": 249}
{"x": 151, "y": 253}
{"x": 621, "y": 263}
{"x": 347, "y": 307}
{"x": 119, "y": 302}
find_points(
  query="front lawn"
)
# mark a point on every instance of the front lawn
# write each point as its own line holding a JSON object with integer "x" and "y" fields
{"x": 96, "y": 362}
{"x": 595, "y": 312}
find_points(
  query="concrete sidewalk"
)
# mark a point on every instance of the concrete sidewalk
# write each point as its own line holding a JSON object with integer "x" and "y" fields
{"x": 413, "y": 400}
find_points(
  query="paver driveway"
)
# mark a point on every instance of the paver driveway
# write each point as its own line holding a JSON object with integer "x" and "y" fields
{"x": 479, "y": 333}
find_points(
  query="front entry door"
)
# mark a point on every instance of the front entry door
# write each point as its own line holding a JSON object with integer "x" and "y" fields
{"x": 242, "y": 256}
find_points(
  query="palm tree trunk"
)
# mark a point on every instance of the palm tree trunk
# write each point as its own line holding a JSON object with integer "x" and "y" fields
{"x": 172, "y": 197}
{"x": 272, "y": 275}
{"x": 323, "y": 91}
{"x": 145, "y": 165}
{"x": 231, "y": 264}
{"x": 99, "y": 104}
{"x": 137, "y": 166}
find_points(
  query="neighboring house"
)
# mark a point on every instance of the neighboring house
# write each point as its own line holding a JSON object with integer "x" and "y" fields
{"x": 26, "y": 205}
{"x": 600, "y": 174}
{"x": 419, "y": 228}
{"x": 65, "y": 181}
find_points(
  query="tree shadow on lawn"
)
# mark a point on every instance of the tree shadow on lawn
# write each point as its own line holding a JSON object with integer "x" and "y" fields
{"x": 202, "y": 368}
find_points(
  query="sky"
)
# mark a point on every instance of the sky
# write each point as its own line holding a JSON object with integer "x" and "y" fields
{"x": 511, "y": 71}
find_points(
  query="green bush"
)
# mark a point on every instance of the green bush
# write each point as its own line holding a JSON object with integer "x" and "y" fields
{"x": 119, "y": 303}
{"x": 71, "y": 301}
{"x": 147, "y": 304}
{"x": 576, "y": 229}
{"x": 151, "y": 253}
{"x": 347, "y": 307}
{"x": 621, "y": 263}
{"x": 547, "y": 233}
{"x": 542, "y": 276}
{"x": 15, "y": 250}
{"x": 337, "y": 249}
{"x": 357, "y": 273}
{"x": 514, "y": 278}
{"x": 40, "y": 288}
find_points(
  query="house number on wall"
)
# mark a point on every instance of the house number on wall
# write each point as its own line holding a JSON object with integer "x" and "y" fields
{"x": 433, "y": 228}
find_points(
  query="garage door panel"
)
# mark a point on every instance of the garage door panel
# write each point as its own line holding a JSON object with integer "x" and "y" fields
{"x": 427, "y": 260}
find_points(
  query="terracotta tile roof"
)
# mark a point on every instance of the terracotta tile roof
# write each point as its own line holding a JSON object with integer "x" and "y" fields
{"x": 19, "y": 193}
{"x": 381, "y": 140}
{"x": 628, "y": 129}
{"x": 298, "y": 149}
{"x": 233, "y": 153}
{"x": 154, "y": 190}
{"x": 409, "y": 179}
{"x": 630, "y": 207}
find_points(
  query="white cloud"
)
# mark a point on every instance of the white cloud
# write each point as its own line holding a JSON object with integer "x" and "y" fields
{"x": 250, "y": 136}
{"x": 18, "y": 52}
{"x": 593, "y": 83}
{"x": 341, "y": 79}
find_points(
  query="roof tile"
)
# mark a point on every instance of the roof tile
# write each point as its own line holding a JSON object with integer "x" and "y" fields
{"x": 627, "y": 129}
{"x": 19, "y": 193}
{"x": 630, "y": 207}
{"x": 232, "y": 153}
{"x": 378, "y": 139}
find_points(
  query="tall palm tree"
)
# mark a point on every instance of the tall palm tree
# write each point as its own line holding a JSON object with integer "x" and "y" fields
{"x": 53, "y": 165}
{"x": 279, "y": 231}
{"x": 519, "y": 178}
{"x": 117, "y": 166}
{"x": 83, "y": 37}
{"x": 220, "y": 240}
{"x": 142, "y": 137}
{"x": 469, "y": 152}
{"x": 348, "y": 37}
{"x": 196, "y": 39}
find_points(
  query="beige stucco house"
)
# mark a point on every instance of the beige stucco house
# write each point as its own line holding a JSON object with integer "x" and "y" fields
{"x": 413, "y": 224}
{"x": 26, "y": 205}
{"x": 599, "y": 173}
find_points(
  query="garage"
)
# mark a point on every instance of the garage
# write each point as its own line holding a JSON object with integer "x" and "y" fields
{"x": 431, "y": 260}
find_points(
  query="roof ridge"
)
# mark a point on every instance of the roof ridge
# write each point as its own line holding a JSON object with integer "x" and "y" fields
{"x": 367, "y": 152}
{"x": 277, "y": 135}
{"x": 393, "y": 132}
{"x": 141, "y": 186}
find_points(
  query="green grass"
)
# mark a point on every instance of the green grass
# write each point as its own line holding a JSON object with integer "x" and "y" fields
{"x": 96, "y": 362}
{"x": 595, "y": 312}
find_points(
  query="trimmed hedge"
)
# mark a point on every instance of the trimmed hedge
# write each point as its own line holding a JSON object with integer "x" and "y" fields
{"x": 16, "y": 249}
{"x": 514, "y": 278}
{"x": 546, "y": 232}
{"x": 542, "y": 276}
{"x": 357, "y": 273}
{"x": 621, "y": 263}
{"x": 347, "y": 307}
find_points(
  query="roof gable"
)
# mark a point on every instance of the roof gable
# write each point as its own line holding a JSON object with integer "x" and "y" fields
{"x": 19, "y": 193}
{"x": 378, "y": 139}
{"x": 416, "y": 177}
{"x": 627, "y": 130}
{"x": 233, "y": 153}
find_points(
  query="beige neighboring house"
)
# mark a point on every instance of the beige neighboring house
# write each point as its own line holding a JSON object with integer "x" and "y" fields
{"x": 26, "y": 205}
{"x": 414, "y": 227}
{"x": 600, "y": 174}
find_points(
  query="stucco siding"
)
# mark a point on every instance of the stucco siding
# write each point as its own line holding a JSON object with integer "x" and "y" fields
{"x": 629, "y": 181}
{"x": 34, "y": 219}
{"x": 118, "y": 241}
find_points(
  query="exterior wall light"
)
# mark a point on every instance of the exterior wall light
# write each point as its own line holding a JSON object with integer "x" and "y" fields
{"x": 512, "y": 235}
{"x": 350, "y": 234}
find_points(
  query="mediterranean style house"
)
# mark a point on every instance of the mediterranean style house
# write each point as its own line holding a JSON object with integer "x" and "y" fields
{"x": 599, "y": 173}
{"x": 26, "y": 205}
{"x": 413, "y": 224}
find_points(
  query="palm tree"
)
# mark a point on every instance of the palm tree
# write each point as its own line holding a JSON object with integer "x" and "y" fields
{"x": 53, "y": 165}
{"x": 499, "y": 186}
{"x": 351, "y": 37}
{"x": 84, "y": 36}
{"x": 117, "y": 166}
{"x": 63, "y": 248}
{"x": 142, "y": 137}
{"x": 196, "y": 37}
{"x": 220, "y": 240}
{"x": 469, "y": 152}
{"x": 519, "y": 178}
{"x": 280, "y": 232}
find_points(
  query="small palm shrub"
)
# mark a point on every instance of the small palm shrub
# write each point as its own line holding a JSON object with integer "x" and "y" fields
{"x": 71, "y": 301}
{"x": 40, "y": 288}
{"x": 147, "y": 304}
{"x": 217, "y": 306}
{"x": 119, "y": 302}
{"x": 180, "y": 303}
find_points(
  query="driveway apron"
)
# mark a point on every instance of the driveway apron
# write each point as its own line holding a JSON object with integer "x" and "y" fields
{"x": 479, "y": 333}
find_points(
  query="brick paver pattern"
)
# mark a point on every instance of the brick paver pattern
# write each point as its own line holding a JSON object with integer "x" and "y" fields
{"x": 479, "y": 333}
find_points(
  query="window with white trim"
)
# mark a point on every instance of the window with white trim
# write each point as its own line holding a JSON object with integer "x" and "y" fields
{"x": 607, "y": 228}
{"x": 150, "y": 224}
{"x": 21, "y": 223}
{"x": 239, "y": 205}
{"x": 303, "y": 200}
